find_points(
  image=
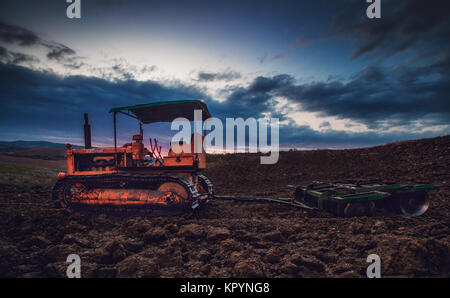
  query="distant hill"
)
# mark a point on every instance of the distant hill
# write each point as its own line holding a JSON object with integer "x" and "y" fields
{"x": 32, "y": 144}
{"x": 35, "y": 149}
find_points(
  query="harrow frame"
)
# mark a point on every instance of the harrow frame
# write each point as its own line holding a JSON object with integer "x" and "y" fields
{"x": 362, "y": 198}
{"x": 348, "y": 199}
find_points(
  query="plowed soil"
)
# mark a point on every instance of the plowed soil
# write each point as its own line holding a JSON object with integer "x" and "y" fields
{"x": 240, "y": 239}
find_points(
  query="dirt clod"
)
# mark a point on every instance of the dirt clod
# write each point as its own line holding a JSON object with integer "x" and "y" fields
{"x": 215, "y": 234}
{"x": 155, "y": 234}
{"x": 191, "y": 231}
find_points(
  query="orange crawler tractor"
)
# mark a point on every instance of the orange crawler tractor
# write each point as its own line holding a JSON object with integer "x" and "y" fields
{"x": 132, "y": 179}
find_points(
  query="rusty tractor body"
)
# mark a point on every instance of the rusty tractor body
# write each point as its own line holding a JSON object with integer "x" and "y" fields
{"x": 133, "y": 179}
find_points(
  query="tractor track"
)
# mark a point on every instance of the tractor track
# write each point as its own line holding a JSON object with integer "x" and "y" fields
{"x": 126, "y": 181}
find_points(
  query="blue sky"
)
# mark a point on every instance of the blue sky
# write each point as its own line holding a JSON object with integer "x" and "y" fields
{"x": 335, "y": 78}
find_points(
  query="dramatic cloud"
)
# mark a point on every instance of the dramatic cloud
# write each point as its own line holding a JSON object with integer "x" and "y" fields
{"x": 16, "y": 34}
{"x": 43, "y": 104}
{"x": 14, "y": 57}
{"x": 59, "y": 51}
{"x": 254, "y": 100}
{"x": 403, "y": 25}
{"x": 123, "y": 72}
{"x": 373, "y": 96}
{"x": 24, "y": 37}
{"x": 34, "y": 101}
{"x": 227, "y": 75}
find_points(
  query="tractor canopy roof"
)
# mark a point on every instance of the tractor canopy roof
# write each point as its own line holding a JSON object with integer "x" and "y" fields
{"x": 165, "y": 111}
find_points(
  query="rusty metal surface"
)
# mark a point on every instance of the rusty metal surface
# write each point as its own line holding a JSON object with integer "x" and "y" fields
{"x": 100, "y": 193}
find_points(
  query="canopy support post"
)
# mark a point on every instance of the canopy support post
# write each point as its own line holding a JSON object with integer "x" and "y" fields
{"x": 115, "y": 137}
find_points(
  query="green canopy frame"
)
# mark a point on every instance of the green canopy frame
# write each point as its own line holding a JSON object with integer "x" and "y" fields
{"x": 163, "y": 111}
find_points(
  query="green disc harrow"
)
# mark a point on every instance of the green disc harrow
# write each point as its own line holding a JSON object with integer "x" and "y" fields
{"x": 353, "y": 198}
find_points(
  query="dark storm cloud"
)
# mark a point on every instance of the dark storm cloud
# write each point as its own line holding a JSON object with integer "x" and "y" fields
{"x": 15, "y": 57}
{"x": 18, "y": 58}
{"x": 59, "y": 51}
{"x": 374, "y": 96}
{"x": 16, "y": 34}
{"x": 32, "y": 100}
{"x": 25, "y": 87}
{"x": 403, "y": 25}
{"x": 74, "y": 64}
{"x": 218, "y": 76}
{"x": 42, "y": 104}
{"x": 122, "y": 72}
{"x": 253, "y": 100}
{"x": 24, "y": 37}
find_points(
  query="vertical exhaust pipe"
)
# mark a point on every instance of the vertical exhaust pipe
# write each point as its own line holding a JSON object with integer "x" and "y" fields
{"x": 87, "y": 132}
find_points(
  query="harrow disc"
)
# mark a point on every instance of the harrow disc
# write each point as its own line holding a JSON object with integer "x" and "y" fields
{"x": 359, "y": 209}
{"x": 414, "y": 204}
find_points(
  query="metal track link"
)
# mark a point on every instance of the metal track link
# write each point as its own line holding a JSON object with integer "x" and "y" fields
{"x": 209, "y": 186}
